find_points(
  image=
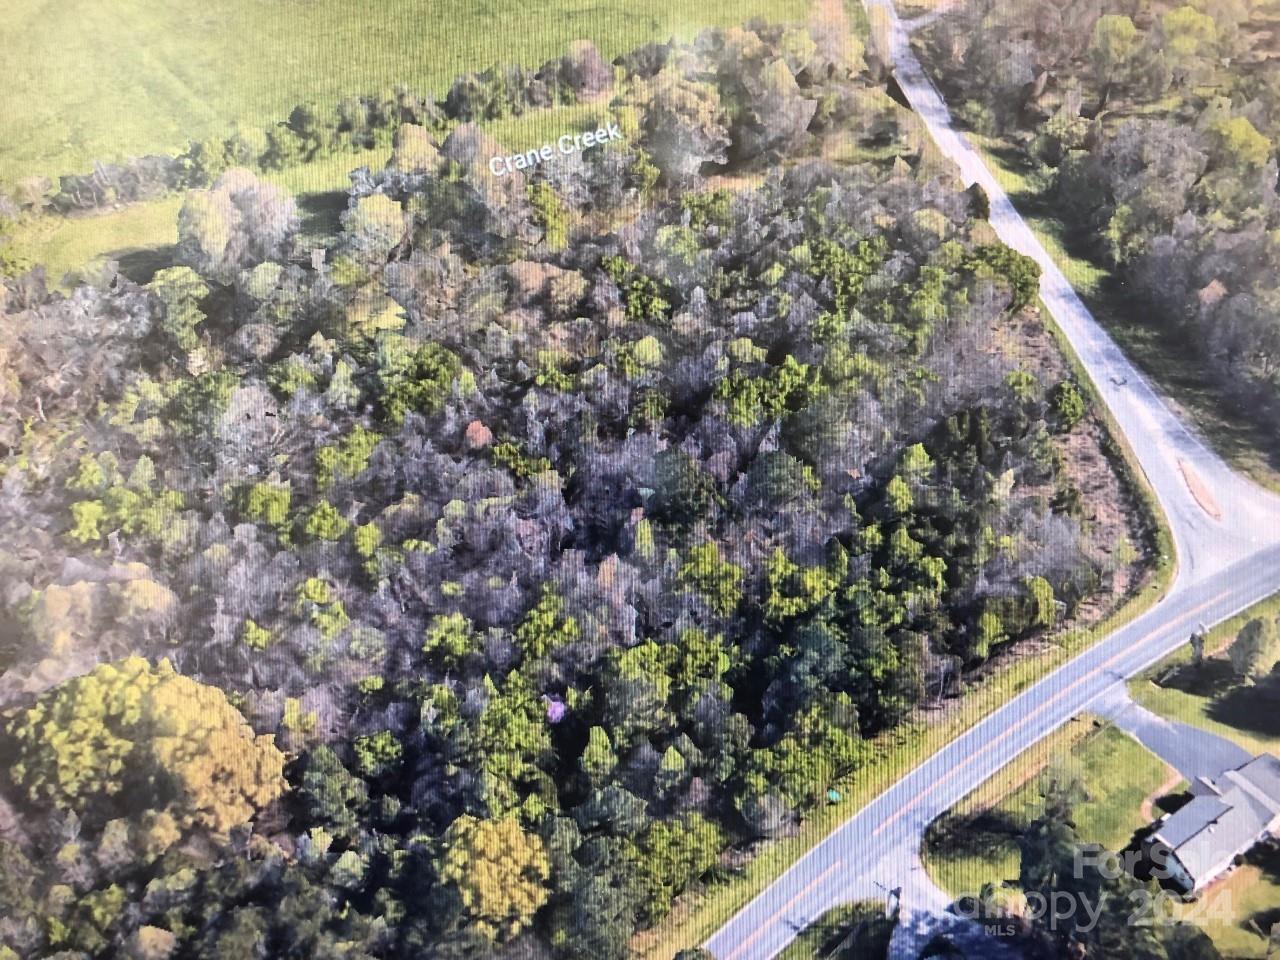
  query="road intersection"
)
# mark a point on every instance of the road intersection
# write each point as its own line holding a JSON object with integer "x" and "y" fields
{"x": 1226, "y": 532}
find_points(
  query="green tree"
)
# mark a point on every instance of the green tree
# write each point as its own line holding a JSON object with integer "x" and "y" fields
{"x": 413, "y": 150}
{"x": 510, "y": 741}
{"x": 1190, "y": 42}
{"x": 752, "y": 397}
{"x": 898, "y": 496}
{"x": 637, "y": 694}
{"x": 268, "y": 502}
{"x": 717, "y": 580}
{"x": 1069, "y": 403}
{"x": 1115, "y": 41}
{"x": 449, "y": 638}
{"x": 670, "y": 855}
{"x": 547, "y": 627}
{"x": 598, "y": 759}
{"x": 180, "y": 290}
{"x": 87, "y": 515}
{"x": 239, "y": 222}
{"x": 683, "y": 492}
{"x": 551, "y": 215}
{"x": 346, "y": 458}
{"x": 697, "y": 661}
{"x": 136, "y": 737}
{"x": 1018, "y": 271}
{"x": 377, "y": 754}
{"x": 990, "y": 633}
{"x": 793, "y": 590}
{"x": 325, "y": 523}
{"x": 1044, "y": 612}
{"x": 499, "y": 871}
{"x": 1255, "y": 650}
{"x": 414, "y": 377}
{"x": 1240, "y": 144}
{"x": 370, "y": 230}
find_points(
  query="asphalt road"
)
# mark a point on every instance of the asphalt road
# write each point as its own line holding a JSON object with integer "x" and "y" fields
{"x": 1227, "y": 535}
{"x": 1191, "y": 751}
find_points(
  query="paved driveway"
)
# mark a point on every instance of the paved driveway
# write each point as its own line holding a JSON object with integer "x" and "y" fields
{"x": 1189, "y": 750}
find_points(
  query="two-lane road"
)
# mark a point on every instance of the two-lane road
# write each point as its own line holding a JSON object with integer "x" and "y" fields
{"x": 1226, "y": 532}
{"x": 875, "y": 848}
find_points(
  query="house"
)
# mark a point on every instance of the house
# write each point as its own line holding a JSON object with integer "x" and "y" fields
{"x": 1225, "y": 817}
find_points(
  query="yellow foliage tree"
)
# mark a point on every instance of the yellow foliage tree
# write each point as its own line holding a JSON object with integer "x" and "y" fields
{"x": 151, "y": 737}
{"x": 499, "y": 871}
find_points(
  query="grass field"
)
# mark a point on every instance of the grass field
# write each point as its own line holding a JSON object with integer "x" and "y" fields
{"x": 1248, "y": 896}
{"x": 1209, "y": 697}
{"x": 141, "y": 235}
{"x": 976, "y": 842}
{"x": 824, "y": 936}
{"x": 89, "y": 81}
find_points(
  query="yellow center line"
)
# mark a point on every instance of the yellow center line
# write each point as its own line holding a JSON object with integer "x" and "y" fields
{"x": 782, "y": 909}
{"x": 1008, "y": 732}
{"x": 1027, "y": 717}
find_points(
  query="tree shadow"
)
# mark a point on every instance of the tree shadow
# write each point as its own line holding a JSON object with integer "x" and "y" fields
{"x": 1266, "y": 857}
{"x": 1172, "y": 802}
{"x": 1213, "y": 678}
{"x": 321, "y": 213}
{"x": 1263, "y": 919}
{"x": 974, "y": 834}
{"x": 1140, "y": 862}
{"x": 1253, "y": 709}
{"x": 141, "y": 264}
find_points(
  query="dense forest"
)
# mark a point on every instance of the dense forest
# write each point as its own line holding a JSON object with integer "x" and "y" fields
{"x": 468, "y": 587}
{"x": 1152, "y": 127}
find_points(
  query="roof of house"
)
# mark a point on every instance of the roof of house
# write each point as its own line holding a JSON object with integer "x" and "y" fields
{"x": 1189, "y": 820}
{"x": 1211, "y": 829}
{"x": 1261, "y": 776}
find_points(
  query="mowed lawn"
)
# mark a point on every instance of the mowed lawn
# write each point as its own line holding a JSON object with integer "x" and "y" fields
{"x": 1210, "y": 696}
{"x": 976, "y": 842}
{"x": 864, "y": 923}
{"x": 1235, "y": 908}
{"x": 90, "y": 80}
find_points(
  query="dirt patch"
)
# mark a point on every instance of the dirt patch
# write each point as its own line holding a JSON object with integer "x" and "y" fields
{"x": 1111, "y": 516}
{"x": 1202, "y": 494}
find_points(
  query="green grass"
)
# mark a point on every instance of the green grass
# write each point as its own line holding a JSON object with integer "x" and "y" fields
{"x": 88, "y": 80}
{"x": 819, "y": 940}
{"x": 976, "y": 841}
{"x": 141, "y": 235}
{"x": 1229, "y": 909}
{"x": 1163, "y": 353}
{"x": 1209, "y": 697}
{"x": 543, "y": 126}
{"x": 896, "y": 753}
